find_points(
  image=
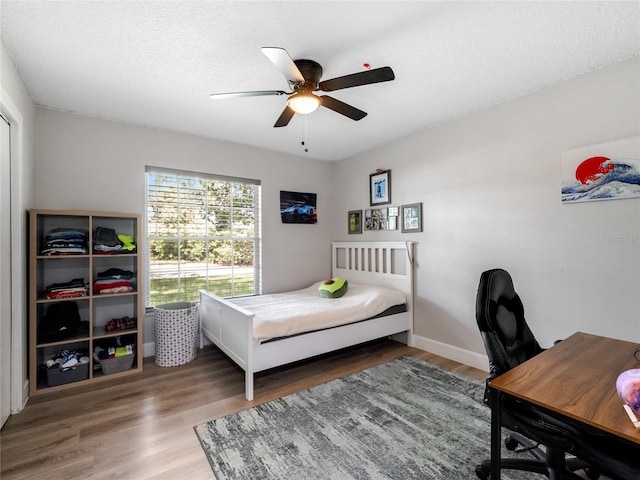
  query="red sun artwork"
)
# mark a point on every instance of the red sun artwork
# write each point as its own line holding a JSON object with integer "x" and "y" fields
{"x": 591, "y": 169}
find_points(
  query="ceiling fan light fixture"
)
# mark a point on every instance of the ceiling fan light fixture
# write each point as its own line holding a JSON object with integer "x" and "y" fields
{"x": 303, "y": 103}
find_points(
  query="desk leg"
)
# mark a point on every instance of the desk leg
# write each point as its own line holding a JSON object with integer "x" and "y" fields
{"x": 496, "y": 432}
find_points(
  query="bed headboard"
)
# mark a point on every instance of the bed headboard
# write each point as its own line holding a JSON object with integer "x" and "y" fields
{"x": 388, "y": 264}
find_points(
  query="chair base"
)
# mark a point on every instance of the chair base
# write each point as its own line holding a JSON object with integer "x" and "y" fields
{"x": 549, "y": 463}
{"x": 483, "y": 471}
{"x": 518, "y": 443}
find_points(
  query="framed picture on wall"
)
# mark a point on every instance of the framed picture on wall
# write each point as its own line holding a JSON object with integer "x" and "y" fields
{"x": 411, "y": 218}
{"x": 605, "y": 171}
{"x": 355, "y": 221}
{"x": 380, "y": 188}
{"x": 368, "y": 220}
{"x": 375, "y": 219}
{"x": 392, "y": 223}
{"x": 297, "y": 207}
{"x": 383, "y": 219}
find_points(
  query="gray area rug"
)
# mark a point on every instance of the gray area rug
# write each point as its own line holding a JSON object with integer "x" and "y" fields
{"x": 406, "y": 419}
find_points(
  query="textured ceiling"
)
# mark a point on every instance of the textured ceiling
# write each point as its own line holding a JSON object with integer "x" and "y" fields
{"x": 155, "y": 63}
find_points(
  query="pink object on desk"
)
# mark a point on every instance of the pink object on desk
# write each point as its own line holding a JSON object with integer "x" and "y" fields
{"x": 628, "y": 387}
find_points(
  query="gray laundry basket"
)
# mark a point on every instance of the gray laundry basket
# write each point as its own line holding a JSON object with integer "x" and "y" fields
{"x": 177, "y": 327}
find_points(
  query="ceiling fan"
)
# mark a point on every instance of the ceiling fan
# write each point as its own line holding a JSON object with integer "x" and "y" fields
{"x": 304, "y": 79}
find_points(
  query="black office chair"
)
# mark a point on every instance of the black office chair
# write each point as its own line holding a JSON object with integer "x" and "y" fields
{"x": 509, "y": 342}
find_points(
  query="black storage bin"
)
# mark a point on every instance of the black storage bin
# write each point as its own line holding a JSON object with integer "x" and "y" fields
{"x": 56, "y": 376}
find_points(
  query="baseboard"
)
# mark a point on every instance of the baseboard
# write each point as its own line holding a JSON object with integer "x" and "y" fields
{"x": 460, "y": 355}
{"x": 23, "y": 399}
{"x": 149, "y": 349}
{"x": 457, "y": 354}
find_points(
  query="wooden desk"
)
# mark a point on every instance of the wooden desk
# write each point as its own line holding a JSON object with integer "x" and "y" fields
{"x": 575, "y": 378}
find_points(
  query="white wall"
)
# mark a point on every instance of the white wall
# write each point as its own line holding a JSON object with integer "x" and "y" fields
{"x": 92, "y": 164}
{"x": 489, "y": 183}
{"x": 490, "y": 187}
{"x": 16, "y": 105}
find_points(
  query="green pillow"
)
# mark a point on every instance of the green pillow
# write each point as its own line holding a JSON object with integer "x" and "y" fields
{"x": 334, "y": 288}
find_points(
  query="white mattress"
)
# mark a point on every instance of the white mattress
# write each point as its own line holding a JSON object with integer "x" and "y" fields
{"x": 290, "y": 313}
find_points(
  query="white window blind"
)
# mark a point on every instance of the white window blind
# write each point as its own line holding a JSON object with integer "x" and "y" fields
{"x": 203, "y": 233}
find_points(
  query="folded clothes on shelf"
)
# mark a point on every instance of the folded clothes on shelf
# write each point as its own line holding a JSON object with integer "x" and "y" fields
{"x": 114, "y": 280}
{"x": 116, "y": 273}
{"x": 65, "y": 241}
{"x": 107, "y": 241}
{"x": 73, "y": 288}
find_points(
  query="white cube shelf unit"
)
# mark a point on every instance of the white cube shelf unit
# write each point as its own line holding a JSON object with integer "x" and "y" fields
{"x": 67, "y": 265}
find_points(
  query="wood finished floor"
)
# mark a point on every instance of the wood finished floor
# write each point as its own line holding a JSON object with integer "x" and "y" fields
{"x": 141, "y": 426}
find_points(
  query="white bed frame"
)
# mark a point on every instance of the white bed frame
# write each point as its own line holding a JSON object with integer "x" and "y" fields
{"x": 388, "y": 264}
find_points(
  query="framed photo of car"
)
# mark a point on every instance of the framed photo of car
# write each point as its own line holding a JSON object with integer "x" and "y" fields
{"x": 355, "y": 221}
{"x": 296, "y": 207}
{"x": 380, "y": 188}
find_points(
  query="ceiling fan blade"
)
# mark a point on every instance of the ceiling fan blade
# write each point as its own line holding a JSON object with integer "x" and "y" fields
{"x": 343, "y": 108}
{"x": 377, "y": 75}
{"x": 281, "y": 59}
{"x": 285, "y": 117}
{"x": 257, "y": 93}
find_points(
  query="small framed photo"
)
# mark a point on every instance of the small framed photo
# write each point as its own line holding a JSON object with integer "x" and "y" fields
{"x": 392, "y": 222}
{"x": 411, "y": 218}
{"x": 355, "y": 221}
{"x": 375, "y": 219}
{"x": 368, "y": 220}
{"x": 384, "y": 219}
{"x": 380, "y": 188}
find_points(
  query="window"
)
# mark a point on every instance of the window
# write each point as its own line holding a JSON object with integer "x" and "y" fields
{"x": 204, "y": 233}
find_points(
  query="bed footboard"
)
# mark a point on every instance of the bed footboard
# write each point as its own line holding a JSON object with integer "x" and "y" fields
{"x": 230, "y": 328}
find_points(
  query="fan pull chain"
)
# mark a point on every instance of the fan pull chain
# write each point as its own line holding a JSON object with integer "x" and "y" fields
{"x": 304, "y": 134}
